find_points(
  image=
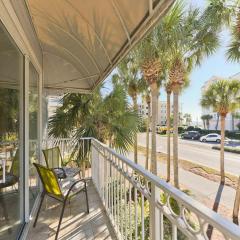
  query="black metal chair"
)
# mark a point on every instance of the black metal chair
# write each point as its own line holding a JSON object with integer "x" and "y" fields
{"x": 12, "y": 177}
{"x": 61, "y": 191}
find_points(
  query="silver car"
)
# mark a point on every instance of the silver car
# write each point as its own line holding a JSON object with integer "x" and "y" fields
{"x": 212, "y": 137}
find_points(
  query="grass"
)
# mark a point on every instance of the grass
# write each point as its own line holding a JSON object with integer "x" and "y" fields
{"x": 207, "y": 172}
{"x": 228, "y": 149}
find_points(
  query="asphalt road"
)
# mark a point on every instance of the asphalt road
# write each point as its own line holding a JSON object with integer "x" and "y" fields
{"x": 198, "y": 152}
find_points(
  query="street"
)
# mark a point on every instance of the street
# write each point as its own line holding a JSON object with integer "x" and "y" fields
{"x": 195, "y": 151}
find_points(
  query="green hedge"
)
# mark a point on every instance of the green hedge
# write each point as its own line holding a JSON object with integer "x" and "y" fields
{"x": 228, "y": 149}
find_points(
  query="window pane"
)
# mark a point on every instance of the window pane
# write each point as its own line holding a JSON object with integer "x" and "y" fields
{"x": 11, "y": 77}
{"x": 33, "y": 133}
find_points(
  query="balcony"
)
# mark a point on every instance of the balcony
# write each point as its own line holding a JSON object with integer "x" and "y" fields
{"x": 128, "y": 202}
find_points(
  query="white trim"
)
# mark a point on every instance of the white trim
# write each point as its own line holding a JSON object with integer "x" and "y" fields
{"x": 29, "y": 225}
{"x": 72, "y": 80}
{"x": 14, "y": 27}
{"x": 124, "y": 26}
{"x": 26, "y": 136}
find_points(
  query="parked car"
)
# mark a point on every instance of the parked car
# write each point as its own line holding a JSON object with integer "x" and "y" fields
{"x": 194, "y": 135}
{"x": 212, "y": 137}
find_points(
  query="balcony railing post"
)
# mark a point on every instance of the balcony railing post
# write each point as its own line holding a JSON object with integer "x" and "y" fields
{"x": 154, "y": 214}
{"x": 95, "y": 158}
{"x": 105, "y": 187}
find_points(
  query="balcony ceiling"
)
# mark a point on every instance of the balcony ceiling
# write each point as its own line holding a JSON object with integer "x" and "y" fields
{"x": 83, "y": 40}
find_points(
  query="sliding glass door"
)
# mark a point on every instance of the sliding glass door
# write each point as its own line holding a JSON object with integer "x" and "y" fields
{"x": 11, "y": 139}
{"x": 33, "y": 132}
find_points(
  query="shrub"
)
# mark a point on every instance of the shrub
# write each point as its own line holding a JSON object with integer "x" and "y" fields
{"x": 190, "y": 128}
{"x": 228, "y": 149}
{"x": 180, "y": 130}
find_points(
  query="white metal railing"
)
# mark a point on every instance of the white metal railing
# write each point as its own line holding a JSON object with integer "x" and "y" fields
{"x": 140, "y": 205}
{"x": 78, "y": 151}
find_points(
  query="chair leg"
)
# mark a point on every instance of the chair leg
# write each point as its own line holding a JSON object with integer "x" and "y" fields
{"x": 60, "y": 220}
{"x": 86, "y": 197}
{"x": 39, "y": 208}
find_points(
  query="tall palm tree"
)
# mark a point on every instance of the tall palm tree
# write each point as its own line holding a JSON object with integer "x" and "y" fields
{"x": 189, "y": 41}
{"x": 168, "y": 90}
{"x": 147, "y": 97}
{"x": 233, "y": 51}
{"x": 188, "y": 118}
{"x": 208, "y": 118}
{"x": 203, "y": 117}
{"x": 216, "y": 127}
{"x": 128, "y": 76}
{"x": 223, "y": 96}
{"x": 226, "y": 14}
{"x": 151, "y": 67}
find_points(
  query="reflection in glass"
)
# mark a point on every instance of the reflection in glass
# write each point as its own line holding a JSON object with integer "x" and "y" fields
{"x": 33, "y": 133}
{"x": 11, "y": 75}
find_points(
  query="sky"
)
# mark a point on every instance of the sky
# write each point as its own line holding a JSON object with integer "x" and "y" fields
{"x": 215, "y": 65}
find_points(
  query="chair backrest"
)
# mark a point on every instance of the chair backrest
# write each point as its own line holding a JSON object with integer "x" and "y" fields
{"x": 53, "y": 157}
{"x": 14, "y": 170}
{"x": 49, "y": 180}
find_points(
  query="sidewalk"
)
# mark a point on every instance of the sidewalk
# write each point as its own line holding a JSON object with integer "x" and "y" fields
{"x": 202, "y": 189}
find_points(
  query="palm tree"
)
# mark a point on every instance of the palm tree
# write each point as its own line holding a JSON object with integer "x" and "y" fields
{"x": 226, "y": 13}
{"x": 208, "y": 118}
{"x": 128, "y": 76}
{"x": 188, "y": 118}
{"x": 168, "y": 91}
{"x": 203, "y": 117}
{"x": 147, "y": 97}
{"x": 151, "y": 67}
{"x": 189, "y": 40}
{"x": 216, "y": 127}
{"x": 223, "y": 96}
{"x": 96, "y": 116}
{"x": 233, "y": 51}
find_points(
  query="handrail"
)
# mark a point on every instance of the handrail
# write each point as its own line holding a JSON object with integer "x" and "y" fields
{"x": 212, "y": 217}
{"x": 111, "y": 159}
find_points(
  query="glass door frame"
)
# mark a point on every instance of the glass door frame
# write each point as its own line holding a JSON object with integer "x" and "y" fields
{"x": 11, "y": 23}
{"x": 27, "y": 61}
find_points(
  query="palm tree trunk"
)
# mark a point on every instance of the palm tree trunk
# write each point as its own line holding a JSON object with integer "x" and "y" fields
{"x": 233, "y": 122}
{"x": 222, "y": 148}
{"x": 216, "y": 128}
{"x": 168, "y": 136}
{"x": 204, "y": 124}
{"x": 135, "y": 137}
{"x": 175, "y": 136}
{"x": 236, "y": 203}
{"x": 147, "y": 137}
{"x": 154, "y": 93}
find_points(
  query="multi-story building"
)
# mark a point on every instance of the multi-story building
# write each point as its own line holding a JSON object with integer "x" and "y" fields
{"x": 214, "y": 123}
{"x": 161, "y": 114}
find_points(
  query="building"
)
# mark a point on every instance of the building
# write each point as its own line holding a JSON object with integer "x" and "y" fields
{"x": 53, "y": 104}
{"x": 214, "y": 123}
{"x": 161, "y": 114}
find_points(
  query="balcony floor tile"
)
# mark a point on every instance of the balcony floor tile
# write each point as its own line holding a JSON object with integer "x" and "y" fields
{"x": 76, "y": 224}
